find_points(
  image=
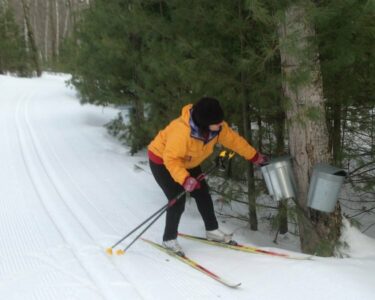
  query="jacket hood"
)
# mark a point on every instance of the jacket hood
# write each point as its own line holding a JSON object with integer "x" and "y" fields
{"x": 194, "y": 130}
{"x": 185, "y": 113}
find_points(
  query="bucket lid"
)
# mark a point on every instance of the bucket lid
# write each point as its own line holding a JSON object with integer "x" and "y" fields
{"x": 276, "y": 160}
{"x": 328, "y": 169}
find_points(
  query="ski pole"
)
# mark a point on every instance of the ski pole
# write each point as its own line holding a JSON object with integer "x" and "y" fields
{"x": 122, "y": 251}
{"x": 109, "y": 250}
{"x": 156, "y": 214}
{"x": 223, "y": 156}
{"x": 161, "y": 212}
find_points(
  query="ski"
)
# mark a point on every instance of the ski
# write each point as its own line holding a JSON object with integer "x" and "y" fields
{"x": 239, "y": 247}
{"x": 193, "y": 264}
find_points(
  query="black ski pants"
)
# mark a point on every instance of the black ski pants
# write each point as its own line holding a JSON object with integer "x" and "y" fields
{"x": 171, "y": 189}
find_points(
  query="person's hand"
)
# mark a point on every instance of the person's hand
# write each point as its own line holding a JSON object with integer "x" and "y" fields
{"x": 259, "y": 159}
{"x": 191, "y": 184}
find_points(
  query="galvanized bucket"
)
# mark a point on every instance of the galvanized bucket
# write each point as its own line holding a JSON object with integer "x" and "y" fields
{"x": 279, "y": 178}
{"x": 325, "y": 186}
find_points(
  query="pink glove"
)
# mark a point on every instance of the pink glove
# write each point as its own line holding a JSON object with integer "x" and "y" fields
{"x": 191, "y": 184}
{"x": 259, "y": 159}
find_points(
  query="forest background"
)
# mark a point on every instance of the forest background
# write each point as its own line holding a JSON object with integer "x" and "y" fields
{"x": 294, "y": 77}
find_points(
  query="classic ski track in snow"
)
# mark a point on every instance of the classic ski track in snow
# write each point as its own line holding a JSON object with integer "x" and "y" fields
{"x": 83, "y": 197}
{"x": 98, "y": 273}
{"x": 94, "y": 214}
{"x": 68, "y": 191}
{"x": 20, "y": 230}
{"x": 29, "y": 168}
{"x": 84, "y": 221}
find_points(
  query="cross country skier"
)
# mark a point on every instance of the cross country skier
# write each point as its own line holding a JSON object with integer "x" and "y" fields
{"x": 175, "y": 156}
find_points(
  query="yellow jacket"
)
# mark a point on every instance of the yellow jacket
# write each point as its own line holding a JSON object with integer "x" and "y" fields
{"x": 181, "y": 149}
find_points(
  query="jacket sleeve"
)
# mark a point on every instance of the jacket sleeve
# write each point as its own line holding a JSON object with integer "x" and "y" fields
{"x": 174, "y": 154}
{"x": 232, "y": 140}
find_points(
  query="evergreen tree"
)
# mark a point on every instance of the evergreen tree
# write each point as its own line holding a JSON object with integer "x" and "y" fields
{"x": 346, "y": 31}
{"x": 104, "y": 57}
{"x": 13, "y": 57}
{"x": 157, "y": 56}
{"x": 168, "y": 52}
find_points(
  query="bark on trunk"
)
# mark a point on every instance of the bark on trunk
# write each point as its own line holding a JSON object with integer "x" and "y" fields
{"x": 3, "y": 9}
{"x": 253, "y": 219}
{"x": 53, "y": 29}
{"x": 31, "y": 38}
{"x": 336, "y": 134}
{"x": 250, "y": 171}
{"x": 308, "y": 134}
{"x": 282, "y": 216}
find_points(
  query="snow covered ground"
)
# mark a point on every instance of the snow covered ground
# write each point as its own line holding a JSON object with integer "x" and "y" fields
{"x": 68, "y": 191}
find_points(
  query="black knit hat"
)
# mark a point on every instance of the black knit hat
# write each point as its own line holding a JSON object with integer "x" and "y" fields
{"x": 207, "y": 111}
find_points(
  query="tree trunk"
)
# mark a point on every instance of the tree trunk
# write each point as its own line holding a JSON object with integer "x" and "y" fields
{"x": 253, "y": 219}
{"x": 65, "y": 29}
{"x": 282, "y": 216}
{"x": 250, "y": 171}
{"x": 308, "y": 133}
{"x": 54, "y": 29}
{"x": 57, "y": 27}
{"x": 336, "y": 134}
{"x": 3, "y": 31}
{"x": 372, "y": 134}
{"x": 46, "y": 31}
{"x": 31, "y": 38}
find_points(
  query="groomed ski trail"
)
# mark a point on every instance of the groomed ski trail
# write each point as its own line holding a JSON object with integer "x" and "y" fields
{"x": 108, "y": 282}
{"x": 57, "y": 228}
{"x": 68, "y": 191}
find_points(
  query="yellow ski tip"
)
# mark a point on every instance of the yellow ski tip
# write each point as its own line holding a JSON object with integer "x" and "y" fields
{"x": 120, "y": 252}
{"x": 109, "y": 251}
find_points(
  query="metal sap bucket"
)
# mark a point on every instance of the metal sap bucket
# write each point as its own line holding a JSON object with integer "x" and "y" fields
{"x": 325, "y": 185}
{"x": 279, "y": 178}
